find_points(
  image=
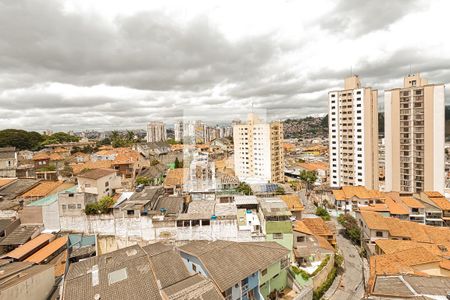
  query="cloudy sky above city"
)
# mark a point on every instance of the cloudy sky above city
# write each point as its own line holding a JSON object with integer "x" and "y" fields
{"x": 73, "y": 65}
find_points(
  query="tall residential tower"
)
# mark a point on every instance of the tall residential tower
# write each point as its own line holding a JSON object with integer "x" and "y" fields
{"x": 353, "y": 135}
{"x": 415, "y": 136}
{"x": 258, "y": 151}
{"x": 156, "y": 132}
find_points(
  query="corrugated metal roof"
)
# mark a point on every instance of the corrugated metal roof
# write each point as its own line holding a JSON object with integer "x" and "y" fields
{"x": 48, "y": 250}
{"x": 22, "y": 251}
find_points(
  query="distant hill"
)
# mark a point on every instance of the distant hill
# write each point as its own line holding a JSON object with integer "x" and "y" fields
{"x": 312, "y": 126}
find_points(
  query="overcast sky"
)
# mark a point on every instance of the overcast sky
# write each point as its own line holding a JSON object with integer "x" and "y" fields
{"x": 104, "y": 64}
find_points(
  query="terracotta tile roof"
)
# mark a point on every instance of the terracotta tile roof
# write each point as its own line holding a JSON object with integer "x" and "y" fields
{"x": 445, "y": 264}
{"x": 97, "y": 173}
{"x": 314, "y": 166}
{"x": 411, "y": 202}
{"x": 175, "y": 177}
{"x": 433, "y": 194}
{"x": 378, "y": 207}
{"x": 56, "y": 156}
{"x": 22, "y": 251}
{"x": 393, "y": 246}
{"x": 323, "y": 243}
{"x": 41, "y": 156}
{"x": 5, "y": 181}
{"x": 125, "y": 158}
{"x": 44, "y": 188}
{"x": 301, "y": 227}
{"x": 403, "y": 261}
{"x": 348, "y": 192}
{"x": 374, "y": 220}
{"x": 395, "y": 208}
{"x": 293, "y": 202}
{"x": 317, "y": 226}
{"x": 91, "y": 165}
{"x": 61, "y": 150}
{"x": 441, "y": 202}
{"x": 48, "y": 250}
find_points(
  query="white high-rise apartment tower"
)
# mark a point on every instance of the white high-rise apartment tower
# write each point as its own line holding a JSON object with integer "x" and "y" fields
{"x": 258, "y": 150}
{"x": 415, "y": 136}
{"x": 353, "y": 135}
{"x": 156, "y": 132}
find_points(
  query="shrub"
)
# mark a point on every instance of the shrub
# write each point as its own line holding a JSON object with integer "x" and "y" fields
{"x": 323, "y": 213}
{"x": 321, "y": 266}
{"x": 143, "y": 180}
{"x": 352, "y": 230}
{"x": 100, "y": 207}
{"x": 305, "y": 275}
{"x": 317, "y": 294}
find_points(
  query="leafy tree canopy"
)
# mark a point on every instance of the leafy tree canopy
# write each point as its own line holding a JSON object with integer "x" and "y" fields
{"x": 21, "y": 139}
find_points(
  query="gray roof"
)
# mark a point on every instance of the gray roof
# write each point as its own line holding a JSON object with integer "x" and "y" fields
{"x": 167, "y": 264}
{"x": 274, "y": 207}
{"x": 13, "y": 268}
{"x": 172, "y": 204}
{"x": 5, "y": 223}
{"x": 227, "y": 210}
{"x": 140, "y": 199}
{"x": 228, "y": 263}
{"x": 199, "y": 210}
{"x": 122, "y": 274}
{"x": 20, "y": 235}
{"x": 409, "y": 285}
{"x": 23, "y": 275}
{"x": 15, "y": 189}
{"x": 245, "y": 200}
{"x": 8, "y": 153}
{"x": 195, "y": 287}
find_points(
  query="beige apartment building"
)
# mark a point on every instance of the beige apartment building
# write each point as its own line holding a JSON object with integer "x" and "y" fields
{"x": 258, "y": 151}
{"x": 156, "y": 132}
{"x": 353, "y": 135}
{"x": 415, "y": 136}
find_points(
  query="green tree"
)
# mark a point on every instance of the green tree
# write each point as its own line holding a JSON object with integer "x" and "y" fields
{"x": 351, "y": 228}
{"x": 244, "y": 188}
{"x": 323, "y": 213}
{"x": 21, "y": 139}
{"x": 59, "y": 137}
{"x": 143, "y": 180}
{"x": 280, "y": 191}
{"x": 178, "y": 164}
{"x": 309, "y": 177}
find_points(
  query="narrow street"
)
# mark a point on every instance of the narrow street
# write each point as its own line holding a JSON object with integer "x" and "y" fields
{"x": 350, "y": 285}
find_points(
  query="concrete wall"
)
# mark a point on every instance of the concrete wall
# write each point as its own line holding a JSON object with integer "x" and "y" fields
{"x": 31, "y": 215}
{"x": 50, "y": 216}
{"x": 36, "y": 287}
{"x": 320, "y": 278}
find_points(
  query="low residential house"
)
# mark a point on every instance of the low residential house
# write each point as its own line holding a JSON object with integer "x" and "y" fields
{"x": 199, "y": 213}
{"x": 225, "y": 182}
{"x": 100, "y": 182}
{"x": 23, "y": 281}
{"x": 45, "y": 167}
{"x": 154, "y": 173}
{"x": 128, "y": 165}
{"x": 174, "y": 181}
{"x": 437, "y": 208}
{"x": 11, "y": 191}
{"x": 50, "y": 251}
{"x": 42, "y": 189}
{"x": 240, "y": 270}
{"x": 8, "y": 162}
{"x": 247, "y": 214}
{"x": 376, "y": 227}
{"x": 153, "y": 150}
{"x": 294, "y": 204}
{"x": 152, "y": 272}
{"x": 350, "y": 198}
{"x": 7, "y": 225}
{"x": 72, "y": 203}
{"x": 139, "y": 204}
{"x": 308, "y": 246}
{"x": 276, "y": 222}
{"x": 321, "y": 228}
{"x": 408, "y": 286}
{"x": 19, "y": 236}
{"x": 221, "y": 144}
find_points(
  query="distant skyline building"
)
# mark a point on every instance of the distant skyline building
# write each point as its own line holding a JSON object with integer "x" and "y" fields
{"x": 178, "y": 131}
{"x": 353, "y": 135}
{"x": 415, "y": 136}
{"x": 258, "y": 151}
{"x": 156, "y": 132}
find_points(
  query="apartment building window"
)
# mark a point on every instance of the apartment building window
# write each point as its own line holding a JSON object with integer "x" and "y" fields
{"x": 300, "y": 239}
{"x": 277, "y": 236}
{"x": 379, "y": 234}
{"x": 264, "y": 272}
